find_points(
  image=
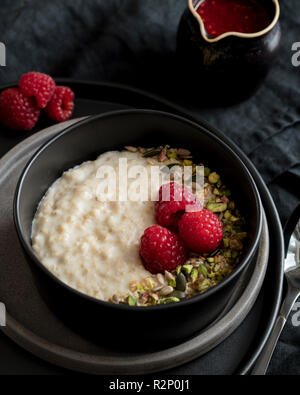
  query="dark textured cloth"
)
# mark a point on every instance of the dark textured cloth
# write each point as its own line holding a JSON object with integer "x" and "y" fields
{"x": 134, "y": 42}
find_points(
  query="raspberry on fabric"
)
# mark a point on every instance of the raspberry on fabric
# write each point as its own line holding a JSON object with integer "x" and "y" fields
{"x": 161, "y": 250}
{"x": 61, "y": 106}
{"x": 174, "y": 201}
{"x": 17, "y": 111}
{"x": 38, "y": 85}
{"x": 202, "y": 232}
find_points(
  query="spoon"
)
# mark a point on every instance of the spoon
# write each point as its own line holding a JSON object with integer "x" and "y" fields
{"x": 292, "y": 275}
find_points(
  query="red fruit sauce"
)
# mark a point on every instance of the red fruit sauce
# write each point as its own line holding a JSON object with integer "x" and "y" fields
{"x": 243, "y": 16}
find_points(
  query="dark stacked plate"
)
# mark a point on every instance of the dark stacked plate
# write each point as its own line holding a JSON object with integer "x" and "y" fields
{"x": 38, "y": 331}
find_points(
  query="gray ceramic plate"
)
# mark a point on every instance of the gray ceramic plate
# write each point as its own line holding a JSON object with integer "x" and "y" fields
{"x": 34, "y": 327}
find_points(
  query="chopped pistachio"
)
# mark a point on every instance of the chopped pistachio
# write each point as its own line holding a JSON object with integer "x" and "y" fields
{"x": 204, "y": 285}
{"x": 206, "y": 171}
{"x": 219, "y": 276}
{"x": 132, "y": 301}
{"x": 226, "y": 242}
{"x": 227, "y": 214}
{"x": 187, "y": 268}
{"x": 210, "y": 260}
{"x": 169, "y": 276}
{"x": 171, "y": 299}
{"x": 234, "y": 219}
{"x": 187, "y": 162}
{"x": 150, "y": 283}
{"x": 216, "y": 268}
{"x": 203, "y": 270}
{"x": 216, "y": 192}
{"x": 194, "y": 275}
{"x": 217, "y": 207}
{"x": 178, "y": 270}
{"x": 172, "y": 283}
{"x": 154, "y": 296}
{"x": 213, "y": 178}
{"x": 172, "y": 155}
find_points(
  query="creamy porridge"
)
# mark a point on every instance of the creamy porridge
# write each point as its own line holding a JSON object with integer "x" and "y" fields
{"x": 92, "y": 245}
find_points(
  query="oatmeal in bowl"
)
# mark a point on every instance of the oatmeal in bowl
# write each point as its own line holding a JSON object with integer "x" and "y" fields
{"x": 97, "y": 241}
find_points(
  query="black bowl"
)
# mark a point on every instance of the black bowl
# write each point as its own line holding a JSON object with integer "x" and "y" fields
{"x": 121, "y": 324}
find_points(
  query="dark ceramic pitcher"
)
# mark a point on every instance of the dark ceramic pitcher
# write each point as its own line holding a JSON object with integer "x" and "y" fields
{"x": 229, "y": 67}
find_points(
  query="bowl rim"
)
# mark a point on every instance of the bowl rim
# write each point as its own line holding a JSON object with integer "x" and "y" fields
{"x": 205, "y": 128}
{"x": 207, "y": 38}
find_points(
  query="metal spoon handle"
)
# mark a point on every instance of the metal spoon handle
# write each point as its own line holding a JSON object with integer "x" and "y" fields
{"x": 264, "y": 359}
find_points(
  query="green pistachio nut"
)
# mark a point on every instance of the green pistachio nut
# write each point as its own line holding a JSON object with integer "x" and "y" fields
{"x": 172, "y": 283}
{"x": 171, "y": 299}
{"x": 217, "y": 207}
{"x": 187, "y": 162}
{"x": 203, "y": 270}
{"x": 204, "y": 285}
{"x": 132, "y": 301}
{"x": 206, "y": 171}
{"x": 194, "y": 275}
{"x": 187, "y": 268}
{"x": 172, "y": 155}
{"x": 213, "y": 178}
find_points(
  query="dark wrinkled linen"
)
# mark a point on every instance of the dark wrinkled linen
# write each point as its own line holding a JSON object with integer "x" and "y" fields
{"x": 134, "y": 42}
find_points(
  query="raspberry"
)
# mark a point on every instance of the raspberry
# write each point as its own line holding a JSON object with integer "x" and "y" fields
{"x": 61, "y": 106}
{"x": 37, "y": 85}
{"x": 17, "y": 111}
{"x": 201, "y": 231}
{"x": 161, "y": 250}
{"x": 168, "y": 214}
{"x": 176, "y": 192}
{"x": 174, "y": 201}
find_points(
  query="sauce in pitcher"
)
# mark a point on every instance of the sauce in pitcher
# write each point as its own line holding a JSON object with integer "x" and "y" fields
{"x": 243, "y": 16}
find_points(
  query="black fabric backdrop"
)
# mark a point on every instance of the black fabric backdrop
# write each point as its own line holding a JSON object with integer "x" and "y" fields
{"x": 134, "y": 42}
